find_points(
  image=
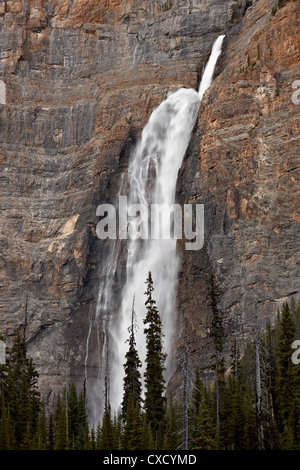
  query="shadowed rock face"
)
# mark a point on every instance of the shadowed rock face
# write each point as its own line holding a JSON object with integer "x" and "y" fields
{"x": 81, "y": 80}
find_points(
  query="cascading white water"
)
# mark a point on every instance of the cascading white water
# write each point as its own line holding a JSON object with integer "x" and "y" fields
{"x": 152, "y": 177}
{"x": 210, "y": 67}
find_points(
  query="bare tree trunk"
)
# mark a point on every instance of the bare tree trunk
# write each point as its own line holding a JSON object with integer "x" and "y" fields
{"x": 107, "y": 380}
{"x": 185, "y": 392}
{"x": 259, "y": 397}
{"x": 217, "y": 395}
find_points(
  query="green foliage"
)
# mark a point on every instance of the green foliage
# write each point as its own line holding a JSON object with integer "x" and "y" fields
{"x": 154, "y": 404}
{"x": 20, "y": 397}
{"x": 274, "y": 10}
{"x": 133, "y": 429}
{"x": 258, "y": 52}
{"x": 132, "y": 377}
{"x": 205, "y": 433}
{"x": 107, "y": 439}
{"x": 172, "y": 438}
{"x": 60, "y": 418}
{"x": 24, "y": 424}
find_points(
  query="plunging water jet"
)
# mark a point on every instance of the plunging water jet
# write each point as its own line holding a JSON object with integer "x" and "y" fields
{"x": 151, "y": 179}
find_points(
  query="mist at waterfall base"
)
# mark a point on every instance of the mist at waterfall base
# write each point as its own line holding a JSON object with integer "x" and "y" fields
{"x": 151, "y": 179}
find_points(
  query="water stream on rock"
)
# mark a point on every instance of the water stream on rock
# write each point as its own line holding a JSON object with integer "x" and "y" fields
{"x": 151, "y": 179}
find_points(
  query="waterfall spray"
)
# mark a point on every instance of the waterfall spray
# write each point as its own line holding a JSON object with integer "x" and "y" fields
{"x": 151, "y": 179}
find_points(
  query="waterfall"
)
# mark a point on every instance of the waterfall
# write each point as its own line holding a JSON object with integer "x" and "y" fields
{"x": 151, "y": 179}
{"x": 210, "y": 67}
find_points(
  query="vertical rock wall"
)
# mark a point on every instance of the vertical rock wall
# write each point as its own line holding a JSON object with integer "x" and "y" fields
{"x": 81, "y": 79}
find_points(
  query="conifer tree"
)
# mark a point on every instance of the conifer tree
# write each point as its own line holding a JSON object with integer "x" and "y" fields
{"x": 269, "y": 378}
{"x": 61, "y": 436}
{"x": 50, "y": 433}
{"x": 82, "y": 428}
{"x": 107, "y": 435}
{"x": 19, "y": 386}
{"x": 185, "y": 417}
{"x": 287, "y": 383}
{"x": 132, "y": 376}
{"x": 7, "y": 436}
{"x": 232, "y": 413}
{"x": 198, "y": 390}
{"x": 155, "y": 401}
{"x": 217, "y": 332}
{"x": 27, "y": 439}
{"x": 118, "y": 424}
{"x": 41, "y": 438}
{"x": 72, "y": 415}
{"x": 204, "y": 435}
{"x": 93, "y": 439}
{"x": 172, "y": 437}
{"x": 249, "y": 436}
{"x": 98, "y": 436}
{"x": 147, "y": 442}
{"x": 132, "y": 435}
{"x": 284, "y": 351}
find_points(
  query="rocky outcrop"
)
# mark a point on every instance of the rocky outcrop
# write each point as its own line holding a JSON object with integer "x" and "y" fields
{"x": 247, "y": 175}
{"x": 81, "y": 79}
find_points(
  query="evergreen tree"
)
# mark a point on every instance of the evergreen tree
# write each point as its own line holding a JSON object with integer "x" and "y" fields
{"x": 7, "y": 436}
{"x": 60, "y": 416}
{"x": 72, "y": 416}
{"x": 82, "y": 427}
{"x": 118, "y": 429}
{"x": 107, "y": 435}
{"x": 284, "y": 353}
{"x": 217, "y": 332}
{"x": 132, "y": 436}
{"x": 155, "y": 402}
{"x": 20, "y": 391}
{"x": 27, "y": 439}
{"x": 41, "y": 438}
{"x": 132, "y": 377}
{"x": 204, "y": 435}
{"x": 232, "y": 414}
{"x": 196, "y": 397}
{"x": 93, "y": 439}
{"x": 172, "y": 438}
{"x": 98, "y": 436}
{"x": 147, "y": 442}
{"x": 287, "y": 384}
{"x": 50, "y": 438}
{"x": 269, "y": 378}
{"x": 249, "y": 436}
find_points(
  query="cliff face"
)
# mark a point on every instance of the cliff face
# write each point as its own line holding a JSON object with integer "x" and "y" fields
{"x": 81, "y": 79}
{"x": 247, "y": 175}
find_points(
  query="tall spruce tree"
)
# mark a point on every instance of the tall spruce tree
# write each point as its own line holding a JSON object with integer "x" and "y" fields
{"x": 132, "y": 435}
{"x": 132, "y": 395}
{"x": 155, "y": 401}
